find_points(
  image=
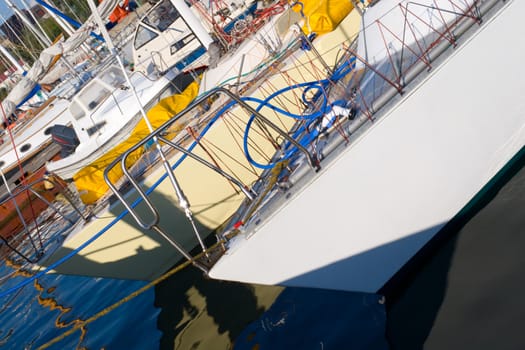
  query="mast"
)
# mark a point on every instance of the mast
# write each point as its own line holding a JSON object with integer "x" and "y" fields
{"x": 193, "y": 22}
{"x": 20, "y": 41}
{"x": 40, "y": 36}
{"x": 11, "y": 59}
{"x": 35, "y": 20}
{"x": 64, "y": 19}
{"x": 57, "y": 16}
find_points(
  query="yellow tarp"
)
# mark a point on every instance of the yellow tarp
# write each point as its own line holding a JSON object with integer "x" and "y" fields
{"x": 323, "y": 16}
{"x": 90, "y": 180}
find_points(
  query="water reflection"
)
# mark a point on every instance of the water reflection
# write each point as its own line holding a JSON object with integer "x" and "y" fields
{"x": 200, "y": 313}
{"x": 460, "y": 291}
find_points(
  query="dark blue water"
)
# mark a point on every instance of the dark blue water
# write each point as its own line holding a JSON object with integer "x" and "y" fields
{"x": 187, "y": 311}
{"x": 54, "y": 304}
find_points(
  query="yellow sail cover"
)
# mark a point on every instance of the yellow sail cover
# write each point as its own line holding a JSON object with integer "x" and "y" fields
{"x": 323, "y": 16}
{"x": 90, "y": 180}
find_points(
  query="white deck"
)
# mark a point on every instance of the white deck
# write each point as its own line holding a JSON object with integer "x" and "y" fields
{"x": 395, "y": 188}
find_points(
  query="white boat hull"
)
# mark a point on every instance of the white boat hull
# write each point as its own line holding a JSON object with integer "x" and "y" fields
{"x": 370, "y": 211}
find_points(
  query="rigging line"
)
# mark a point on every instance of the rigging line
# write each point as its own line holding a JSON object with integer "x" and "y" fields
{"x": 198, "y": 139}
{"x": 232, "y": 119}
{"x": 310, "y": 68}
{"x": 250, "y": 169}
{"x": 36, "y": 20}
{"x": 272, "y": 89}
{"x": 266, "y": 64}
{"x": 338, "y": 126}
{"x": 297, "y": 101}
{"x": 17, "y": 36}
{"x": 31, "y": 51}
{"x": 263, "y": 133}
{"x": 231, "y": 158}
{"x": 71, "y": 11}
{"x": 24, "y": 182}
{"x": 235, "y": 122}
{"x": 318, "y": 74}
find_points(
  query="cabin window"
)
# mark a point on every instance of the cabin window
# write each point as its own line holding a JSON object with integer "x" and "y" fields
{"x": 93, "y": 95}
{"x": 161, "y": 16}
{"x": 144, "y": 35}
{"x": 76, "y": 111}
{"x": 113, "y": 77}
{"x": 25, "y": 147}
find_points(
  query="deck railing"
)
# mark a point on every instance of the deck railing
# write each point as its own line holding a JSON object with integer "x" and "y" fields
{"x": 34, "y": 216}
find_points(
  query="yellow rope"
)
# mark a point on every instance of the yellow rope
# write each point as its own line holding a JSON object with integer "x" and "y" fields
{"x": 105, "y": 311}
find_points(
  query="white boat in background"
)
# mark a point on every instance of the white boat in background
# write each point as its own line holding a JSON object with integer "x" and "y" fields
{"x": 103, "y": 114}
{"x": 63, "y": 69}
{"x": 163, "y": 40}
{"x": 186, "y": 35}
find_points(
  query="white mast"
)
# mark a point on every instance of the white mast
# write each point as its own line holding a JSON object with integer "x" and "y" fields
{"x": 34, "y": 19}
{"x": 61, "y": 22}
{"x": 194, "y": 23}
{"x": 113, "y": 52}
{"x": 42, "y": 38}
{"x": 10, "y": 57}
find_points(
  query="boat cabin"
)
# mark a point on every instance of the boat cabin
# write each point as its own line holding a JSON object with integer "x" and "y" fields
{"x": 169, "y": 35}
{"x": 87, "y": 119}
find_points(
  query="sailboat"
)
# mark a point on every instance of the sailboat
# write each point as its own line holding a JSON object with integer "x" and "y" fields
{"x": 329, "y": 162}
{"x": 402, "y": 139}
{"x": 104, "y": 113}
{"x": 26, "y": 142}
